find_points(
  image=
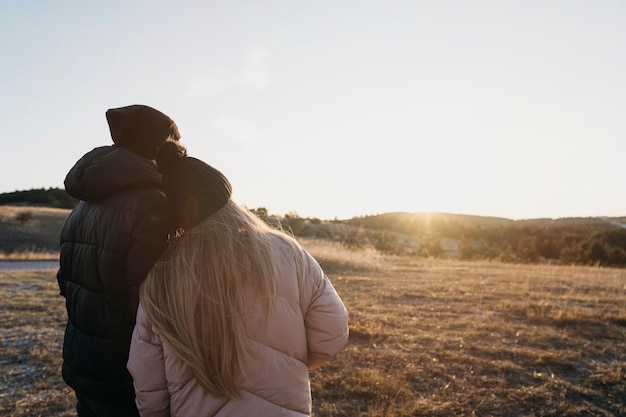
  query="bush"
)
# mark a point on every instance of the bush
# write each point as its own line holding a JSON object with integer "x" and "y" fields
{"x": 430, "y": 246}
{"x": 386, "y": 243}
{"x": 24, "y": 216}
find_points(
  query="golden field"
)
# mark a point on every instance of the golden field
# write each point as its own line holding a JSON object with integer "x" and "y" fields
{"x": 428, "y": 338}
{"x": 30, "y": 233}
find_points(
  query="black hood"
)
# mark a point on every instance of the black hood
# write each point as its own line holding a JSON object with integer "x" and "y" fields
{"x": 109, "y": 170}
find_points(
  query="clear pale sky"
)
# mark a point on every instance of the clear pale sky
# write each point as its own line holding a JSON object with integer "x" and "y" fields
{"x": 334, "y": 109}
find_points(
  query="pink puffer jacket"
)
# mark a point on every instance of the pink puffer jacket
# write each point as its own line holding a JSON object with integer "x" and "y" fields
{"x": 307, "y": 320}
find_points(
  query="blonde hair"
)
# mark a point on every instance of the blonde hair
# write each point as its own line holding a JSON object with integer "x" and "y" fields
{"x": 197, "y": 295}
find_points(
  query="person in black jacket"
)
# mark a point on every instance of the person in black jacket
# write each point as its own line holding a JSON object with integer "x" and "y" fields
{"x": 109, "y": 241}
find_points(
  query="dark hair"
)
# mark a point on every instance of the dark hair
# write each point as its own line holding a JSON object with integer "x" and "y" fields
{"x": 170, "y": 155}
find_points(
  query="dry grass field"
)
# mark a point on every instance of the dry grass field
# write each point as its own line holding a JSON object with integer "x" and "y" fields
{"x": 428, "y": 338}
{"x": 30, "y": 232}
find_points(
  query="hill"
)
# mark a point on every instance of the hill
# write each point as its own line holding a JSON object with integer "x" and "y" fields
{"x": 410, "y": 222}
{"x": 27, "y": 226}
{"x": 597, "y": 241}
{"x": 419, "y": 219}
{"x": 405, "y": 222}
{"x": 32, "y": 231}
{"x": 41, "y": 197}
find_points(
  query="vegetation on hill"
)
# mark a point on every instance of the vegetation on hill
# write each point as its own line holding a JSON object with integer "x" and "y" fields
{"x": 581, "y": 241}
{"x": 597, "y": 241}
{"x": 28, "y": 232}
{"x": 51, "y": 197}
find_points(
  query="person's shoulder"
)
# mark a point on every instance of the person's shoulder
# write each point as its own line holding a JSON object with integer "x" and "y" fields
{"x": 92, "y": 155}
{"x": 281, "y": 242}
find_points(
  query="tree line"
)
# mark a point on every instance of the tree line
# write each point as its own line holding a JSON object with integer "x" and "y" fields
{"x": 40, "y": 197}
{"x": 582, "y": 241}
{"x": 571, "y": 241}
{"x": 579, "y": 241}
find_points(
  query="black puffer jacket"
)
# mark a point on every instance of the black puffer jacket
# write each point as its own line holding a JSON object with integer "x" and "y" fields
{"x": 108, "y": 243}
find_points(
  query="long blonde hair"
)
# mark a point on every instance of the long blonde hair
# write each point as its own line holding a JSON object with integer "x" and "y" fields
{"x": 195, "y": 296}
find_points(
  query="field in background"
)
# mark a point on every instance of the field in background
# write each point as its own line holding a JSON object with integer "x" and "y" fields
{"x": 428, "y": 338}
{"x": 452, "y": 338}
{"x": 30, "y": 233}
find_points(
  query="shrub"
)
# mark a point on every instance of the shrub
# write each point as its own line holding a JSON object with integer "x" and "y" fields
{"x": 386, "y": 243}
{"x": 24, "y": 216}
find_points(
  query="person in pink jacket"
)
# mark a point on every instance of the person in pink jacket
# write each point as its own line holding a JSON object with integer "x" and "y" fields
{"x": 236, "y": 312}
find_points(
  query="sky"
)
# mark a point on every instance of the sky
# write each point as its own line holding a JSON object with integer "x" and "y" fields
{"x": 334, "y": 109}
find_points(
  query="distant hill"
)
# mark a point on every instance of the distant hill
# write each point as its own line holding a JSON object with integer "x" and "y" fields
{"x": 580, "y": 222}
{"x": 31, "y": 221}
{"x": 599, "y": 241}
{"x": 408, "y": 222}
{"x": 30, "y": 229}
{"x": 40, "y": 197}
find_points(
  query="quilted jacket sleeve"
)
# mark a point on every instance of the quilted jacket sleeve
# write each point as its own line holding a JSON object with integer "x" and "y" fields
{"x": 146, "y": 364}
{"x": 149, "y": 241}
{"x": 326, "y": 318}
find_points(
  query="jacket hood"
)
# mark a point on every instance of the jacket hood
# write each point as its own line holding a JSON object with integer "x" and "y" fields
{"x": 108, "y": 170}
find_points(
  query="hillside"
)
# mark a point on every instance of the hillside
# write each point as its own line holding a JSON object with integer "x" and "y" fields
{"x": 40, "y": 197}
{"x": 30, "y": 229}
{"x": 599, "y": 241}
{"x": 418, "y": 222}
{"x": 406, "y": 222}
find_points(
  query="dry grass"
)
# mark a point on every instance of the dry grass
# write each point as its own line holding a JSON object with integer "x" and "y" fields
{"x": 32, "y": 322}
{"x": 428, "y": 338}
{"x": 36, "y": 238}
{"x": 29, "y": 255}
{"x": 451, "y": 338}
